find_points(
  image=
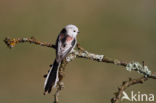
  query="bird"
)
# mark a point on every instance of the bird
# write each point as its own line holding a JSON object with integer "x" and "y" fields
{"x": 65, "y": 43}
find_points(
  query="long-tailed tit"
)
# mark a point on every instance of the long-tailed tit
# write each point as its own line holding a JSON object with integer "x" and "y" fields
{"x": 65, "y": 42}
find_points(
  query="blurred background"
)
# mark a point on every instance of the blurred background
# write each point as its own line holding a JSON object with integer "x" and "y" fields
{"x": 123, "y": 29}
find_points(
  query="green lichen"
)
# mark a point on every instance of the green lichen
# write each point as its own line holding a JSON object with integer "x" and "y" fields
{"x": 139, "y": 68}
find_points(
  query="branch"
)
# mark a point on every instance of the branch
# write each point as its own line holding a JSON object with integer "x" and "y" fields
{"x": 59, "y": 88}
{"x": 82, "y": 53}
{"x": 60, "y": 84}
{"x": 12, "y": 42}
{"x": 125, "y": 85}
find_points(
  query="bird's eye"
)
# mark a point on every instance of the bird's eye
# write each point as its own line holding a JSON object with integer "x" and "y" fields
{"x": 74, "y": 31}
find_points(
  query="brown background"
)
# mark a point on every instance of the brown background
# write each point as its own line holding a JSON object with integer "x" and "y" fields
{"x": 123, "y": 29}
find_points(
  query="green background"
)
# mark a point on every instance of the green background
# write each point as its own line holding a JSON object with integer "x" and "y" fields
{"x": 123, "y": 29}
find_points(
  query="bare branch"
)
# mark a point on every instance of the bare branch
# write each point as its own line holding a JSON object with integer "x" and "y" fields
{"x": 125, "y": 85}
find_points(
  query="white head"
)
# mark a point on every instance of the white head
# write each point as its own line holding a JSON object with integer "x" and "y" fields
{"x": 71, "y": 30}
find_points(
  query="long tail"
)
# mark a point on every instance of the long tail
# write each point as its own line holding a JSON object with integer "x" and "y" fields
{"x": 51, "y": 77}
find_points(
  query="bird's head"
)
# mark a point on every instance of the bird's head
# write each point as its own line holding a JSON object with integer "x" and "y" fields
{"x": 71, "y": 30}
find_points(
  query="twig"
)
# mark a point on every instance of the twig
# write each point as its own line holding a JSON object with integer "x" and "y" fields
{"x": 59, "y": 88}
{"x": 125, "y": 85}
{"x": 12, "y": 42}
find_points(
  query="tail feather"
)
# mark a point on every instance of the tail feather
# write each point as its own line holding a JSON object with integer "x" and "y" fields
{"x": 52, "y": 77}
